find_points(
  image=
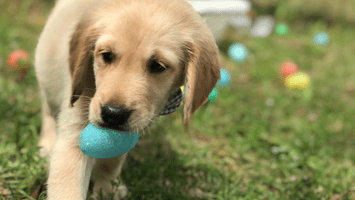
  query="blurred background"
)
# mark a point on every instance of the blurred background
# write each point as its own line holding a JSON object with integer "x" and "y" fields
{"x": 279, "y": 124}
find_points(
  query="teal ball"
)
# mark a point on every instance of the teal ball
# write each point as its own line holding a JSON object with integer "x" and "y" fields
{"x": 321, "y": 38}
{"x": 238, "y": 52}
{"x": 105, "y": 143}
{"x": 213, "y": 95}
{"x": 225, "y": 78}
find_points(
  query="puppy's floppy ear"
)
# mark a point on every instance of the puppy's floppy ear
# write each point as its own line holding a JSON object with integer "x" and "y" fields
{"x": 82, "y": 45}
{"x": 202, "y": 73}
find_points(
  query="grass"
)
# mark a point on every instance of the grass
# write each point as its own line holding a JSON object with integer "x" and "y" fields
{"x": 292, "y": 10}
{"x": 257, "y": 140}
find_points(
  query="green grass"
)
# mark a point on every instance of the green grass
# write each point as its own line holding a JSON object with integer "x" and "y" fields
{"x": 238, "y": 147}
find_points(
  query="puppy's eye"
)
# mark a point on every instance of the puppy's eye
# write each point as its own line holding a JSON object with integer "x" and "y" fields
{"x": 107, "y": 57}
{"x": 155, "y": 67}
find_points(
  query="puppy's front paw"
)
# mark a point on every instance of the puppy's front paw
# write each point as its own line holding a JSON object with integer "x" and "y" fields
{"x": 122, "y": 191}
{"x": 119, "y": 192}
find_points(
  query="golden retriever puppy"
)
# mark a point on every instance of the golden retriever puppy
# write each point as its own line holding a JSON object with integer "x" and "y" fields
{"x": 115, "y": 63}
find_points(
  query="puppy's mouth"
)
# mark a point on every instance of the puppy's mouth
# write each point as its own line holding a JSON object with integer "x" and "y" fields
{"x": 133, "y": 124}
{"x": 134, "y": 128}
{"x": 118, "y": 128}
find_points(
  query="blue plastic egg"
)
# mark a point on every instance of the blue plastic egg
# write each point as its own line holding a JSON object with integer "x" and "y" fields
{"x": 321, "y": 38}
{"x": 105, "y": 143}
{"x": 225, "y": 78}
{"x": 238, "y": 52}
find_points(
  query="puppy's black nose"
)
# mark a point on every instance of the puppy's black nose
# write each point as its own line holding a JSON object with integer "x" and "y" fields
{"x": 114, "y": 117}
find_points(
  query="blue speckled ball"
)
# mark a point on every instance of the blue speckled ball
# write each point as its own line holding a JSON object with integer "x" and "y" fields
{"x": 105, "y": 143}
{"x": 225, "y": 78}
{"x": 238, "y": 52}
{"x": 321, "y": 38}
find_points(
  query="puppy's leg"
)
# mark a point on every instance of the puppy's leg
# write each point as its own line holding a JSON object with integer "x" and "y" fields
{"x": 105, "y": 171}
{"x": 48, "y": 129}
{"x": 69, "y": 168}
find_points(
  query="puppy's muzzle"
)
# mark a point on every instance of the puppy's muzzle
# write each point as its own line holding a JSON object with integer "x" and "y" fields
{"x": 115, "y": 117}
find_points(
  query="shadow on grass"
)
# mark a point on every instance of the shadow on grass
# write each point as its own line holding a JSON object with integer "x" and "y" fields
{"x": 154, "y": 171}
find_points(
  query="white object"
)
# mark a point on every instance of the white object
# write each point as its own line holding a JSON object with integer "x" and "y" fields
{"x": 221, "y": 7}
{"x": 263, "y": 26}
{"x": 242, "y": 21}
{"x": 218, "y": 13}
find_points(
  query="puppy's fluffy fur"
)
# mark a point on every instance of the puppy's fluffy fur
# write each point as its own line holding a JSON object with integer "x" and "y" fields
{"x": 76, "y": 79}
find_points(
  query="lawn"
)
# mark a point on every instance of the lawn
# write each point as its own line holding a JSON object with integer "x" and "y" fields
{"x": 257, "y": 140}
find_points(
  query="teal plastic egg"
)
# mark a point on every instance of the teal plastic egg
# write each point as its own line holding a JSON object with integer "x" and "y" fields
{"x": 105, "y": 143}
{"x": 213, "y": 95}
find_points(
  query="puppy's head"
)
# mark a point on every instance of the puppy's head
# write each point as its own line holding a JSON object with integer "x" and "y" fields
{"x": 134, "y": 54}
